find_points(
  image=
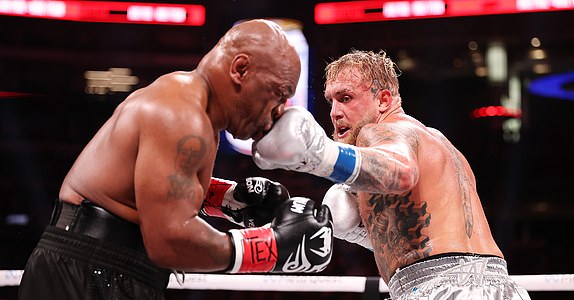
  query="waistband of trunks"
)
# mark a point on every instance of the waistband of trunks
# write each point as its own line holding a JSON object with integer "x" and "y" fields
{"x": 456, "y": 267}
{"x": 92, "y": 220}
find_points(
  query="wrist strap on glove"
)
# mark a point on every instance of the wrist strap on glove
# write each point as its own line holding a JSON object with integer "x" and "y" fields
{"x": 255, "y": 250}
{"x": 345, "y": 161}
{"x": 219, "y": 194}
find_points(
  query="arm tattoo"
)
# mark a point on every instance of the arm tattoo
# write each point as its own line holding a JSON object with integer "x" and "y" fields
{"x": 395, "y": 223}
{"x": 388, "y": 174}
{"x": 382, "y": 171}
{"x": 190, "y": 150}
{"x": 464, "y": 184}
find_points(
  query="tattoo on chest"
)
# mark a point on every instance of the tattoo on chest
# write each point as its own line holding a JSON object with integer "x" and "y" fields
{"x": 396, "y": 224}
{"x": 190, "y": 151}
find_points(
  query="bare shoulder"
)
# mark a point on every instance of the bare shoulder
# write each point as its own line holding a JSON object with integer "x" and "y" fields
{"x": 388, "y": 132}
{"x": 177, "y": 77}
{"x": 441, "y": 138}
{"x": 175, "y": 102}
{"x": 175, "y": 84}
{"x": 435, "y": 132}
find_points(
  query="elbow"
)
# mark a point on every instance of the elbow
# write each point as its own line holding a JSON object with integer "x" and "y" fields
{"x": 160, "y": 258}
{"x": 407, "y": 179}
{"x": 162, "y": 250}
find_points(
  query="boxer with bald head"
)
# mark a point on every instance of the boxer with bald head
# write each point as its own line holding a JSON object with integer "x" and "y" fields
{"x": 403, "y": 190}
{"x": 129, "y": 208}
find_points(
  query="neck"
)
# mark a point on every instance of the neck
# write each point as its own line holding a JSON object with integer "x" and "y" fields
{"x": 394, "y": 109}
{"x": 213, "y": 110}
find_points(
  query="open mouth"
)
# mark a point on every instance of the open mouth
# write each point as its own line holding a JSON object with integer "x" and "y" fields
{"x": 342, "y": 130}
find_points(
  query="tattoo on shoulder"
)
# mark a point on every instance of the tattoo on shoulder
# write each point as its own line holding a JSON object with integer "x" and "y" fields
{"x": 190, "y": 151}
{"x": 388, "y": 133}
{"x": 372, "y": 135}
{"x": 386, "y": 168}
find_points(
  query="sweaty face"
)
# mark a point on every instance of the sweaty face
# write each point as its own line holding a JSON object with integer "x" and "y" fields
{"x": 278, "y": 84}
{"x": 353, "y": 105}
{"x": 271, "y": 79}
{"x": 265, "y": 99}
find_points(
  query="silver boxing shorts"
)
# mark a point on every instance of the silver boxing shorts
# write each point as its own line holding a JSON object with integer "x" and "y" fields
{"x": 455, "y": 276}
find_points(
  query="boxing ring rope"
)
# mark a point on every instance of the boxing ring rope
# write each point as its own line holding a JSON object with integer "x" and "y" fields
{"x": 296, "y": 283}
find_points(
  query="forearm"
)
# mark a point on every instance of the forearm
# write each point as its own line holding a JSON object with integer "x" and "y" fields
{"x": 193, "y": 246}
{"x": 382, "y": 162}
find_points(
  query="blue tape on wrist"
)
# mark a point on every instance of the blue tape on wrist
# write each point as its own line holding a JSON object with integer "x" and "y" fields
{"x": 345, "y": 165}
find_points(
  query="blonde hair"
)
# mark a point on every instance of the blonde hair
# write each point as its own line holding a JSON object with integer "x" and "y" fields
{"x": 375, "y": 68}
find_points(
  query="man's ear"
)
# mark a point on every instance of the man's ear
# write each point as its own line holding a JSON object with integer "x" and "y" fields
{"x": 239, "y": 66}
{"x": 385, "y": 99}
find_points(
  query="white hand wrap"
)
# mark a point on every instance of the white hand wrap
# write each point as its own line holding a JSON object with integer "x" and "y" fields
{"x": 297, "y": 142}
{"x": 347, "y": 223}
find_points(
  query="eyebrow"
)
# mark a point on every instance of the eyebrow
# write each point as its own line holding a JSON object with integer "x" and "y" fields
{"x": 285, "y": 91}
{"x": 344, "y": 90}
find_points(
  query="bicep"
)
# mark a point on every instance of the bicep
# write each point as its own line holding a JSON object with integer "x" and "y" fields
{"x": 167, "y": 186}
{"x": 166, "y": 175}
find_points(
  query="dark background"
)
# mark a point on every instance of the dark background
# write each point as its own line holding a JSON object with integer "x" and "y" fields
{"x": 524, "y": 185}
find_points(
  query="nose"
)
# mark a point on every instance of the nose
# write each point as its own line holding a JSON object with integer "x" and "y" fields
{"x": 336, "y": 112}
{"x": 278, "y": 111}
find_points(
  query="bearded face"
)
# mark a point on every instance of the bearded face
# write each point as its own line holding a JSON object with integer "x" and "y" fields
{"x": 353, "y": 105}
{"x": 350, "y": 132}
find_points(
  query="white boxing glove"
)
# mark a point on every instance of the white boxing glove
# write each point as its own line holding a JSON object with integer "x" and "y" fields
{"x": 347, "y": 225}
{"x": 297, "y": 142}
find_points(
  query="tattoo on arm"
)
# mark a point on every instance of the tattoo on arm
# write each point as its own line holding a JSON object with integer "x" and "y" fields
{"x": 190, "y": 151}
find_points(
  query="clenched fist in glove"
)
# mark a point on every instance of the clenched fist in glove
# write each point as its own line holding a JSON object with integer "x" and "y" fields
{"x": 297, "y": 142}
{"x": 347, "y": 225}
{"x": 299, "y": 240}
{"x": 249, "y": 204}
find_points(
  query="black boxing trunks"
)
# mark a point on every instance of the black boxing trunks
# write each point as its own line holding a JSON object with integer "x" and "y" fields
{"x": 455, "y": 276}
{"x": 88, "y": 253}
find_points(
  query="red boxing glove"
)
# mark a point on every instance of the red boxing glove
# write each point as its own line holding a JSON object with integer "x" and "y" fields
{"x": 220, "y": 190}
{"x": 299, "y": 240}
{"x": 251, "y": 203}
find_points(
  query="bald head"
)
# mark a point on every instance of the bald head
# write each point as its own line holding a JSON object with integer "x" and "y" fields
{"x": 252, "y": 70}
{"x": 263, "y": 40}
{"x": 265, "y": 44}
{"x": 252, "y": 35}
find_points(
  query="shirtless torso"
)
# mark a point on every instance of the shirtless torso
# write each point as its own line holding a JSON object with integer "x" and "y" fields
{"x": 441, "y": 214}
{"x": 105, "y": 172}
